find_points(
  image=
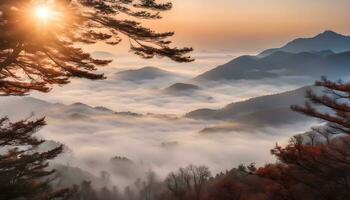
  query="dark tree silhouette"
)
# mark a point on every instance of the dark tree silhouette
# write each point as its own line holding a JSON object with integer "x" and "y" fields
{"x": 36, "y": 53}
{"x": 188, "y": 182}
{"x": 23, "y": 167}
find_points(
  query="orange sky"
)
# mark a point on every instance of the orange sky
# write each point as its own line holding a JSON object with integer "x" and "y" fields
{"x": 250, "y": 25}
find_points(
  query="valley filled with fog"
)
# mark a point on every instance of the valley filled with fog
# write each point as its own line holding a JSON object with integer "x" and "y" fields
{"x": 169, "y": 115}
{"x": 174, "y": 100}
{"x": 144, "y": 122}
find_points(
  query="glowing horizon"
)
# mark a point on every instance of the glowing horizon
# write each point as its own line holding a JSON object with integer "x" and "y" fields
{"x": 251, "y": 25}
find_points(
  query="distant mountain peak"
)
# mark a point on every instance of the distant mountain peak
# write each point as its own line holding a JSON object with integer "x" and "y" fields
{"x": 145, "y": 73}
{"x": 182, "y": 87}
{"x": 145, "y": 69}
{"x": 149, "y": 68}
{"x": 329, "y": 33}
{"x": 79, "y": 104}
{"x": 328, "y": 40}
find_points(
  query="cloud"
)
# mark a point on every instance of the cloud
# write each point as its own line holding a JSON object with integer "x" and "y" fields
{"x": 94, "y": 142}
{"x": 96, "y": 135}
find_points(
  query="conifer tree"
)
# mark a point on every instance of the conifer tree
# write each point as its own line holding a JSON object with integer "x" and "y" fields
{"x": 321, "y": 170}
{"x": 24, "y": 169}
{"x": 40, "y": 39}
{"x": 333, "y": 107}
{"x": 40, "y": 46}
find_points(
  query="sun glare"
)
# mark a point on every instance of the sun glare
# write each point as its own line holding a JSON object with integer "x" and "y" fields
{"x": 44, "y": 13}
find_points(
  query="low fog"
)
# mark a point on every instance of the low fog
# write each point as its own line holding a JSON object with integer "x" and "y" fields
{"x": 93, "y": 136}
{"x": 145, "y": 127}
{"x": 148, "y": 96}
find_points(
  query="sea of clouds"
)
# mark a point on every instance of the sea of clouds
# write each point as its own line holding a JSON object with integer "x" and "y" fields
{"x": 160, "y": 138}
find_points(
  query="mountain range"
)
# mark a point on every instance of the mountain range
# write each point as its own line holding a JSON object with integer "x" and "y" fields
{"x": 328, "y": 40}
{"x": 326, "y": 54}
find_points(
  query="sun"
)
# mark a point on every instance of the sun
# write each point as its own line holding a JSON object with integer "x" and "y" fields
{"x": 44, "y": 13}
